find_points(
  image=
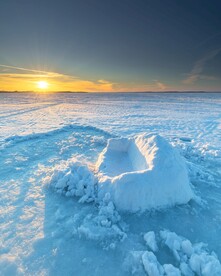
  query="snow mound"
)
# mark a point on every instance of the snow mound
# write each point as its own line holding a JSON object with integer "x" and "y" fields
{"x": 73, "y": 179}
{"x": 142, "y": 173}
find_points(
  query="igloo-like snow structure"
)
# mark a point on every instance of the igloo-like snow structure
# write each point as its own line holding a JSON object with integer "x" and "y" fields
{"x": 142, "y": 173}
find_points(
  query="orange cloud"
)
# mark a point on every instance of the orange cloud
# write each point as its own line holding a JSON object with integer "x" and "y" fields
{"x": 22, "y": 81}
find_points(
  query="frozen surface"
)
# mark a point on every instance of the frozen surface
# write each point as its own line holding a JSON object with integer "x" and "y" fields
{"x": 143, "y": 173}
{"x": 50, "y": 220}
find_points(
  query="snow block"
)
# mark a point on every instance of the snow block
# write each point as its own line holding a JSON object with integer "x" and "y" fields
{"x": 142, "y": 173}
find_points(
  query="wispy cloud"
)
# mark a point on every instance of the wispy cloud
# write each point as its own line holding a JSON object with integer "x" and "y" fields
{"x": 154, "y": 85}
{"x": 198, "y": 68}
{"x": 19, "y": 78}
{"x": 48, "y": 74}
{"x": 161, "y": 85}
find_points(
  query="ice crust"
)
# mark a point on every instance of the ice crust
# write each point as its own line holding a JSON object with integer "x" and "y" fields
{"x": 142, "y": 173}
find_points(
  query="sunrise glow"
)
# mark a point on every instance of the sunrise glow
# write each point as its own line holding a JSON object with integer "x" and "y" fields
{"x": 42, "y": 85}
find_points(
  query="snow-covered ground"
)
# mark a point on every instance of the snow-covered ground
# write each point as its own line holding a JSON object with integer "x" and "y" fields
{"x": 48, "y": 228}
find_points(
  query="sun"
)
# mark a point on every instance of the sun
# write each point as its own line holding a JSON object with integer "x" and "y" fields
{"x": 42, "y": 84}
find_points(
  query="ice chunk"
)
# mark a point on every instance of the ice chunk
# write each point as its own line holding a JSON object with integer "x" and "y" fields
{"x": 142, "y": 173}
{"x": 133, "y": 263}
{"x": 185, "y": 270}
{"x": 205, "y": 264}
{"x": 170, "y": 270}
{"x": 73, "y": 179}
{"x": 150, "y": 239}
{"x": 192, "y": 258}
{"x": 151, "y": 265}
{"x": 173, "y": 241}
{"x": 187, "y": 247}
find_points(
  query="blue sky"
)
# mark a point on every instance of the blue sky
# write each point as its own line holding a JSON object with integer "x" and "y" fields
{"x": 126, "y": 45}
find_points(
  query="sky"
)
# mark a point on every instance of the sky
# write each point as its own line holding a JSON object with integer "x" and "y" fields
{"x": 110, "y": 45}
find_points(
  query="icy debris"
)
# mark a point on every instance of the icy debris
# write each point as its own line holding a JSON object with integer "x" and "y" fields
{"x": 197, "y": 155}
{"x": 187, "y": 247}
{"x": 173, "y": 241}
{"x": 171, "y": 270}
{"x": 197, "y": 151}
{"x": 205, "y": 264}
{"x": 151, "y": 265}
{"x": 133, "y": 262}
{"x": 150, "y": 239}
{"x": 190, "y": 259}
{"x": 142, "y": 173}
{"x": 186, "y": 270}
{"x": 104, "y": 225}
{"x": 193, "y": 258}
{"x": 74, "y": 179}
{"x": 139, "y": 262}
{"x": 92, "y": 229}
{"x": 107, "y": 212}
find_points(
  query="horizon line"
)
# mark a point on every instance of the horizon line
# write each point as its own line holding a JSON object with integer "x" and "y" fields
{"x": 111, "y": 92}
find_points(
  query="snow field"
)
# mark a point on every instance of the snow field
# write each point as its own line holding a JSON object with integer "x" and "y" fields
{"x": 44, "y": 232}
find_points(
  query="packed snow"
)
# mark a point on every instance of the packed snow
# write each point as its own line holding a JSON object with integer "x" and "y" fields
{"x": 137, "y": 174}
{"x": 84, "y": 192}
{"x": 143, "y": 173}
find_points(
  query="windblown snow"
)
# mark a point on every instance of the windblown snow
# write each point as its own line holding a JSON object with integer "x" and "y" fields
{"x": 110, "y": 184}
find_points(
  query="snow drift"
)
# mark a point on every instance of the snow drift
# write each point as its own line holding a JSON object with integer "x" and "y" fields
{"x": 142, "y": 173}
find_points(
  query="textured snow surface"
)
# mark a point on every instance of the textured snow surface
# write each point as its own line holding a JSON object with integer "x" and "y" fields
{"x": 143, "y": 173}
{"x": 51, "y": 219}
